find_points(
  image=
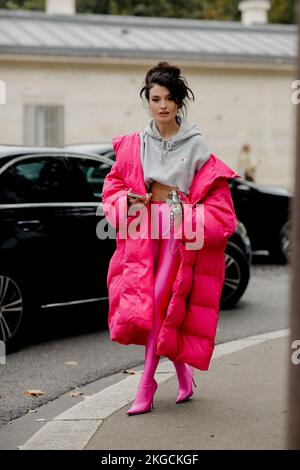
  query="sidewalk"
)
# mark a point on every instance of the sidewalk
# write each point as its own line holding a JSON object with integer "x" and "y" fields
{"x": 239, "y": 403}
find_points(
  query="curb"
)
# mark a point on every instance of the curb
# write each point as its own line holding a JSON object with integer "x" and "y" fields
{"x": 72, "y": 429}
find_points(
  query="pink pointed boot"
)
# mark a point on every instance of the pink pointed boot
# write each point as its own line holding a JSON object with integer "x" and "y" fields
{"x": 143, "y": 402}
{"x": 147, "y": 387}
{"x": 186, "y": 381}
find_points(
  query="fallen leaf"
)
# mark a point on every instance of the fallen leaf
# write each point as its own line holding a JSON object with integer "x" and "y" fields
{"x": 71, "y": 363}
{"x": 126, "y": 371}
{"x": 74, "y": 394}
{"x": 32, "y": 411}
{"x": 33, "y": 393}
{"x": 41, "y": 420}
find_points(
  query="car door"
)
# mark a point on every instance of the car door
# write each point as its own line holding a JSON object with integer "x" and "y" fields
{"x": 37, "y": 231}
{"x": 93, "y": 252}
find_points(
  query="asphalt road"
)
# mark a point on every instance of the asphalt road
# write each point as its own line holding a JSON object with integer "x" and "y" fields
{"x": 74, "y": 350}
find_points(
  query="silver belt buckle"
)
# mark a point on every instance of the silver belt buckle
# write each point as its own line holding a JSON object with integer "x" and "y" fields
{"x": 174, "y": 202}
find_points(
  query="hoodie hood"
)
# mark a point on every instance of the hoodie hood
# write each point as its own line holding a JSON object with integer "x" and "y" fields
{"x": 185, "y": 132}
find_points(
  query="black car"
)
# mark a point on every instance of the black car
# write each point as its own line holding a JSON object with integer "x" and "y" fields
{"x": 50, "y": 254}
{"x": 264, "y": 210}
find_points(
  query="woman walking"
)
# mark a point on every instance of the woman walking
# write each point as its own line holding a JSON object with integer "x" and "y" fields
{"x": 166, "y": 275}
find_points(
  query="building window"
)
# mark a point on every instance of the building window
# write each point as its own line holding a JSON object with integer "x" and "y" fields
{"x": 44, "y": 125}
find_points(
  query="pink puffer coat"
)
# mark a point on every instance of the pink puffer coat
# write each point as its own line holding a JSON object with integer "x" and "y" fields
{"x": 189, "y": 328}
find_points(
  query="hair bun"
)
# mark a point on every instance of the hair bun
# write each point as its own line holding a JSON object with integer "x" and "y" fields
{"x": 167, "y": 68}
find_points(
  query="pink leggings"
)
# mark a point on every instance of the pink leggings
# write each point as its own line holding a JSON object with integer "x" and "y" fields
{"x": 165, "y": 254}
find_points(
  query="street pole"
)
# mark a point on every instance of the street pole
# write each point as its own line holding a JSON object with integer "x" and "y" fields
{"x": 294, "y": 365}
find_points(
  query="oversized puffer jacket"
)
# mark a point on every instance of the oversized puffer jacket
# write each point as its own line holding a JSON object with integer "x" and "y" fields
{"x": 189, "y": 328}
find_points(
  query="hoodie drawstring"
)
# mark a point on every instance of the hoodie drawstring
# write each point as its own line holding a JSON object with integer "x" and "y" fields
{"x": 165, "y": 146}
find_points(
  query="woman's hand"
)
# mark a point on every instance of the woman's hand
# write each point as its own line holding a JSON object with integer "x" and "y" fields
{"x": 133, "y": 200}
{"x": 160, "y": 191}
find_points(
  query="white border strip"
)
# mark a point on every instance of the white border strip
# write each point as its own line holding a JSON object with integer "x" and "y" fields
{"x": 238, "y": 344}
{"x": 72, "y": 429}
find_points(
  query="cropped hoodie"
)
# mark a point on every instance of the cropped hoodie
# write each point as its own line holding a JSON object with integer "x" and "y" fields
{"x": 174, "y": 161}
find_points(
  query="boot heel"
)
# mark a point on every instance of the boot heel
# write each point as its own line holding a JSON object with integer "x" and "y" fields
{"x": 186, "y": 390}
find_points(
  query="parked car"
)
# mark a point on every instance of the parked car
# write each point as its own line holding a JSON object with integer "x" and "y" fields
{"x": 50, "y": 254}
{"x": 264, "y": 210}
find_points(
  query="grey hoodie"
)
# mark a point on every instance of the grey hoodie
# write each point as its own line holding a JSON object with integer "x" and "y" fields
{"x": 174, "y": 161}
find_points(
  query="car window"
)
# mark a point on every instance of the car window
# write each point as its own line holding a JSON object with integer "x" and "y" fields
{"x": 30, "y": 170}
{"x": 44, "y": 179}
{"x": 94, "y": 173}
{"x": 10, "y": 189}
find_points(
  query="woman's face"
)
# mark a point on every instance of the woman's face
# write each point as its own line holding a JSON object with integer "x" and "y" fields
{"x": 162, "y": 107}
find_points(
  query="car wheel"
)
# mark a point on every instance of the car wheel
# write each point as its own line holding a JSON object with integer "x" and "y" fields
{"x": 280, "y": 249}
{"x": 237, "y": 274}
{"x": 11, "y": 312}
{"x": 285, "y": 241}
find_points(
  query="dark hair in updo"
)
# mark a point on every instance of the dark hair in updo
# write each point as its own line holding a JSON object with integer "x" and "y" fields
{"x": 167, "y": 75}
